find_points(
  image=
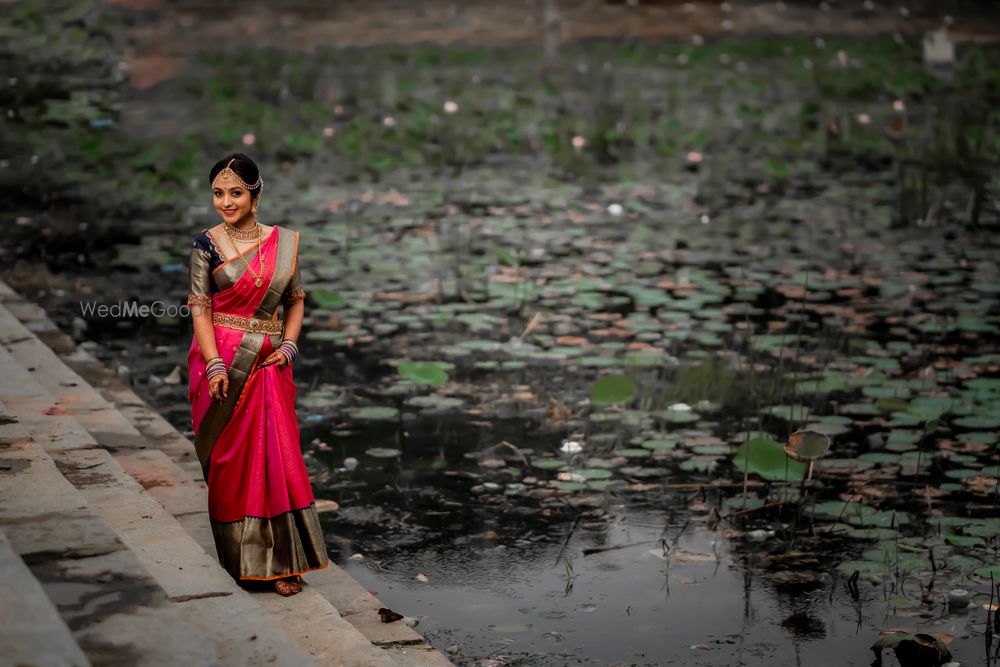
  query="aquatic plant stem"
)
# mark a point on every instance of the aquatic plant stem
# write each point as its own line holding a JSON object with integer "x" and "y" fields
{"x": 569, "y": 536}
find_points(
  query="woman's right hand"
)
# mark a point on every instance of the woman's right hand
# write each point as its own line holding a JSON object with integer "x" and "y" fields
{"x": 218, "y": 387}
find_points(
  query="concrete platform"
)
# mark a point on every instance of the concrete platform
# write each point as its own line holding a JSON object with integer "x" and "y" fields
{"x": 129, "y": 462}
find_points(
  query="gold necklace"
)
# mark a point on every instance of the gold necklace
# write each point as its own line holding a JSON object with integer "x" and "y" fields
{"x": 251, "y": 234}
{"x": 257, "y": 280}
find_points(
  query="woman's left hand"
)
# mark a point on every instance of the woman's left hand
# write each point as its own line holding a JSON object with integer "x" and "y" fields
{"x": 276, "y": 357}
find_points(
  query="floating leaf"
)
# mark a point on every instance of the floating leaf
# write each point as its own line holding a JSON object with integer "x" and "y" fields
{"x": 963, "y": 540}
{"x": 383, "y": 452}
{"x": 768, "y": 459}
{"x": 807, "y": 445}
{"x": 978, "y": 422}
{"x": 675, "y": 416}
{"x": 423, "y": 372}
{"x": 860, "y": 514}
{"x": 375, "y": 413}
{"x": 988, "y": 571}
{"x": 659, "y": 444}
{"x": 613, "y": 390}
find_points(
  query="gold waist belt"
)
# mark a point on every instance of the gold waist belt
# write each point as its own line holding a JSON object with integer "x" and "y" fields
{"x": 251, "y": 324}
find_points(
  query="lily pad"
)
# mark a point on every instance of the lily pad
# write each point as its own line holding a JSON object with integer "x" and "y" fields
{"x": 383, "y": 452}
{"x": 613, "y": 390}
{"x": 375, "y": 413}
{"x": 675, "y": 416}
{"x": 767, "y": 458}
{"x": 423, "y": 372}
{"x": 807, "y": 445}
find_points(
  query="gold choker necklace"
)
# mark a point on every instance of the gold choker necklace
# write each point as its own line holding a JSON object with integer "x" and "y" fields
{"x": 251, "y": 234}
{"x": 258, "y": 279}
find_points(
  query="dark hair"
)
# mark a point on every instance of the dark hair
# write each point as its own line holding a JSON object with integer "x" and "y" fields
{"x": 244, "y": 167}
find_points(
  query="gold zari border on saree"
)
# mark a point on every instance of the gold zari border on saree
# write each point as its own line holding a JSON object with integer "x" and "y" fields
{"x": 263, "y": 549}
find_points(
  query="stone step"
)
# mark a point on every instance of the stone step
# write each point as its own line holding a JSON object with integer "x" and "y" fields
{"x": 144, "y": 552}
{"x": 116, "y": 612}
{"x": 31, "y": 630}
{"x": 163, "y": 461}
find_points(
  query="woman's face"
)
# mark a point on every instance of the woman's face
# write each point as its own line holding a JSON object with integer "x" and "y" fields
{"x": 232, "y": 203}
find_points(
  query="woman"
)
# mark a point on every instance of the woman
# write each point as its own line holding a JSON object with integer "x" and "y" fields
{"x": 242, "y": 395}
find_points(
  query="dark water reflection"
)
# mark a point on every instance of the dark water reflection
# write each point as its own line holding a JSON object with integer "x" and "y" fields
{"x": 504, "y": 584}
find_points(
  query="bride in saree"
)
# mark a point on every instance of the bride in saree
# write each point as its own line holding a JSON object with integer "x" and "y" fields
{"x": 242, "y": 394}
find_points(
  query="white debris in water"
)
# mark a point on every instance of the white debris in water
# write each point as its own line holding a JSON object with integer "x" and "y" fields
{"x": 571, "y": 447}
{"x": 759, "y": 535}
{"x": 616, "y": 210}
{"x": 680, "y": 407}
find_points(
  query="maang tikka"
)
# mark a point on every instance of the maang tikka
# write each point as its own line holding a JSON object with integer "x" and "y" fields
{"x": 228, "y": 177}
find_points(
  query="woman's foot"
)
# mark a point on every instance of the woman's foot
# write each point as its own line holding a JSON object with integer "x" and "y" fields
{"x": 287, "y": 587}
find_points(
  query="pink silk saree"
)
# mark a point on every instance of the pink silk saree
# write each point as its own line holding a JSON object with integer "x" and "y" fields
{"x": 260, "y": 502}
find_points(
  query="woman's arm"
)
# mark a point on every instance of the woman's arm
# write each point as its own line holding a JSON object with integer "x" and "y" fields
{"x": 204, "y": 330}
{"x": 293, "y": 319}
{"x": 200, "y": 302}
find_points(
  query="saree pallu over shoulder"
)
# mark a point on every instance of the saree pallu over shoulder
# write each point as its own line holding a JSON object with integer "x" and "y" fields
{"x": 228, "y": 276}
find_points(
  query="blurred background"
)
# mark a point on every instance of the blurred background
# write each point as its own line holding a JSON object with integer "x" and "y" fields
{"x": 564, "y": 260}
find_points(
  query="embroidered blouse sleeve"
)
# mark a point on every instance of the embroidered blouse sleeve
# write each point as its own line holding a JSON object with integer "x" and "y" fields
{"x": 200, "y": 291}
{"x": 294, "y": 291}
